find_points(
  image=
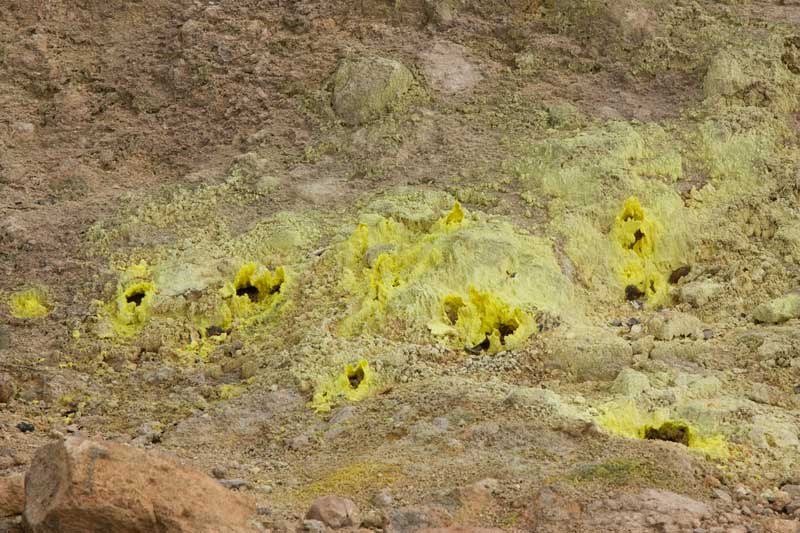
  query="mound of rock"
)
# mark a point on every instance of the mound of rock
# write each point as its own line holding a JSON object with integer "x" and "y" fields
{"x": 365, "y": 88}
{"x": 84, "y": 486}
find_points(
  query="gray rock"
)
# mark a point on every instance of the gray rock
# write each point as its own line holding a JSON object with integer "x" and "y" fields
{"x": 365, "y": 88}
{"x": 674, "y": 325}
{"x": 440, "y": 12}
{"x": 630, "y": 382}
{"x": 313, "y": 526}
{"x": 778, "y": 310}
{"x": 699, "y": 293}
{"x": 590, "y": 353}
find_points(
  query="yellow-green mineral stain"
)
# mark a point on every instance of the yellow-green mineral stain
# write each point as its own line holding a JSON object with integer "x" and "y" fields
{"x": 626, "y": 420}
{"x": 30, "y": 303}
{"x": 354, "y": 383}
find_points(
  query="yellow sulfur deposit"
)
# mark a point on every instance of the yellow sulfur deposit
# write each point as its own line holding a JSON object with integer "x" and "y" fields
{"x": 483, "y": 321}
{"x": 471, "y": 282}
{"x": 637, "y": 236}
{"x": 130, "y": 309}
{"x": 253, "y": 289}
{"x": 626, "y": 420}
{"x": 31, "y": 303}
{"x": 354, "y": 383}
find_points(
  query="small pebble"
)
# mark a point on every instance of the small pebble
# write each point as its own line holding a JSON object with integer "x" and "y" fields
{"x": 26, "y": 427}
{"x": 219, "y": 472}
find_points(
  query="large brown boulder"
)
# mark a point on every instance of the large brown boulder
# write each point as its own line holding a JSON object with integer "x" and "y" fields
{"x": 84, "y": 486}
{"x": 12, "y": 495}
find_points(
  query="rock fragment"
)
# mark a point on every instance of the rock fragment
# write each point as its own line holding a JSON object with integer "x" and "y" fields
{"x": 631, "y": 383}
{"x": 778, "y": 310}
{"x": 365, "y": 88}
{"x": 12, "y": 495}
{"x": 334, "y": 511}
{"x": 81, "y": 485}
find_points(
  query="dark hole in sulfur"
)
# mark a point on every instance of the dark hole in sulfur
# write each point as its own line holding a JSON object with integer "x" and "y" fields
{"x": 356, "y": 377}
{"x": 506, "y": 330}
{"x": 678, "y": 273}
{"x": 135, "y": 297}
{"x": 214, "y": 331}
{"x": 632, "y": 292}
{"x": 451, "y": 311}
{"x": 249, "y": 290}
{"x": 478, "y": 348}
{"x": 637, "y": 236}
{"x": 669, "y": 431}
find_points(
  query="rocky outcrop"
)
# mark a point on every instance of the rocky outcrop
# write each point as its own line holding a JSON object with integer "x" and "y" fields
{"x": 84, "y": 486}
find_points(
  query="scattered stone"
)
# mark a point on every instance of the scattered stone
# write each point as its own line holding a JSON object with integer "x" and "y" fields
{"x": 674, "y": 325}
{"x": 589, "y": 352}
{"x": 365, "y": 88}
{"x": 778, "y": 310}
{"x": 334, "y": 511}
{"x": 724, "y": 76}
{"x": 630, "y": 382}
{"x": 84, "y": 486}
{"x": 7, "y": 388}
{"x": 383, "y": 498}
{"x": 219, "y": 472}
{"x": 440, "y": 12}
{"x": 781, "y": 525}
{"x": 373, "y": 519}
{"x": 699, "y": 293}
{"x": 770, "y": 395}
{"x": 26, "y": 427}
{"x": 313, "y": 526}
{"x": 414, "y": 518}
{"x": 12, "y": 495}
{"x": 234, "y": 484}
{"x": 23, "y": 127}
{"x": 298, "y": 443}
{"x": 248, "y": 369}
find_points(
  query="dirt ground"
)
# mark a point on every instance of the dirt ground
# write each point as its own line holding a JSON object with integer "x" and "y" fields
{"x": 150, "y": 151}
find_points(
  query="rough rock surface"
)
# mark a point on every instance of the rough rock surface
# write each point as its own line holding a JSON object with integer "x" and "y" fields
{"x": 778, "y": 310}
{"x": 80, "y": 485}
{"x": 12, "y": 495}
{"x": 365, "y": 88}
{"x": 334, "y": 511}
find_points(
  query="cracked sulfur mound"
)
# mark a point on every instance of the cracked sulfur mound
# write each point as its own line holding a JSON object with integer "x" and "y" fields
{"x": 255, "y": 289}
{"x": 483, "y": 322}
{"x": 354, "y": 383}
{"x": 30, "y": 303}
{"x": 467, "y": 280}
{"x": 627, "y": 420}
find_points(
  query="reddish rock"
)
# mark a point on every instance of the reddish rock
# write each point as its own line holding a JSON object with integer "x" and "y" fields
{"x": 84, "y": 486}
{"x": 779, "y": 525}
{"x": 334, "y": 511}
{"x": 12, "y": 495}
